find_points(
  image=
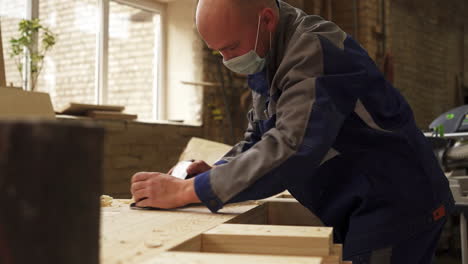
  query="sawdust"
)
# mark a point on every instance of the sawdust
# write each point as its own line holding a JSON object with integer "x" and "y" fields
{"x": 109, "y": 201}
{"x": 106, "y": 201}
{"x": 153, "y": 243}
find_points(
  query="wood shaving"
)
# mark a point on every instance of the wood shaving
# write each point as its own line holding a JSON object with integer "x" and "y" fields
{"x": 153, "y": 243}
{"x": 106, "y": 201}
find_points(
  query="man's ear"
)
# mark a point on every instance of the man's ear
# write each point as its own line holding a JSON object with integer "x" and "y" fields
{"x": 270, "y": 18}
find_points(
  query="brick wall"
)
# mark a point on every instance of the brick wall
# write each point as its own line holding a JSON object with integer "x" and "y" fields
{"x": 69, "y": 69}
{"x": 216, "y": 118}
{"x": 131, "y": 147}
{"x": 428, "y": 50}
{"x": 132, "y": 45}
{"x": 427, "y": 41}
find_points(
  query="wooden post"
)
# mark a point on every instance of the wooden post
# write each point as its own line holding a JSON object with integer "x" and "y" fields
{"x": 50, "y": 183}
{"x": 2, "y": 63}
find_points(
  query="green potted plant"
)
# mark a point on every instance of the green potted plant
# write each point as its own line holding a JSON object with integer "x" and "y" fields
{"x": 27, "y": 53}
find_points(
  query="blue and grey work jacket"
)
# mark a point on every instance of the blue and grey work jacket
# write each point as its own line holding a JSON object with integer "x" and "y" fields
{"x": 329, "y": 128}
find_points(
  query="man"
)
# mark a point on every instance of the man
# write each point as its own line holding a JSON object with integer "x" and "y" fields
{"x": 326, "y": 126}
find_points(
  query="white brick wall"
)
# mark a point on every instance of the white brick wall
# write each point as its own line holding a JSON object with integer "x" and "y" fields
{"x": 69, "y": 70}
{"x": 10, "y": 14}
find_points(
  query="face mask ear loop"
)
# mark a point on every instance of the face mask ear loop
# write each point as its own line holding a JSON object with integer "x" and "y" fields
{"x": 271, "y": 47}
{"x": 258, "y": 32}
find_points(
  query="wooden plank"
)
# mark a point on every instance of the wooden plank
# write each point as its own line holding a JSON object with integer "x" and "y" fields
{"x": 192, "y": 245}
{"x": 278, "y": 211}
{"x": 268, "y": 239}
{"x": 210, "y": 258}
{"x": 16, "y": 103}
{"x": 335, "y": 256}
{"x": 49, "y": 192}
{"x": 82, "y": 109}
{"x": 257, "y": 215}
{"x": 110, "y": 115}
{"x": 125, "y": 231}
{"x": 285, "y": 194}
{"x": 202, "y": 149}
{"x": 297, "y": 214}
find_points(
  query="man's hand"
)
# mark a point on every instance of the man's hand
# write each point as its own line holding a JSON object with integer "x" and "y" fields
{"x": 152, "y": 189}
{"x": 195, "y": 168}
{"x": 198, "y": 167}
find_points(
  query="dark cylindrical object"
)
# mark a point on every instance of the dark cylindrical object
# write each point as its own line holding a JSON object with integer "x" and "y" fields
{"x": 50, "y": 182}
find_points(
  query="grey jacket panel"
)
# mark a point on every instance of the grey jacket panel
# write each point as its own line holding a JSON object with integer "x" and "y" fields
{"x": 250, "y": 138}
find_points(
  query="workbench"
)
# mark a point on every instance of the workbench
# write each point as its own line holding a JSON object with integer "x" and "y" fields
{"x": 181, "y": 236}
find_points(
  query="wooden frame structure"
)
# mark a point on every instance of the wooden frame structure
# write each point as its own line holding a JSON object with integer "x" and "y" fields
{"x": 275, "y": 231}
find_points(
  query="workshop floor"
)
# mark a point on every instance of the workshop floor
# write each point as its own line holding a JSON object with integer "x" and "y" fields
{"x": 447, "y": 260}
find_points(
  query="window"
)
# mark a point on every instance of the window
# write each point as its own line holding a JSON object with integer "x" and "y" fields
{"x": 127, "y": 71}
{"x": 134, "y": 37}
{"x": 69, "y": 69}
{"x": 11, "y": 13}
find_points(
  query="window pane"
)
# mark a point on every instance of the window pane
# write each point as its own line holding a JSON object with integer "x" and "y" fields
{"x": 69, "y": 69}
{"x": 11, "y": 13}
{"x": 133, "y": 42}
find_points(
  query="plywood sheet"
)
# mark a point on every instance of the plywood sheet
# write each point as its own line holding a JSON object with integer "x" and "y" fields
{"x": 202, "y": 149}
{"x": 17, "y": 104}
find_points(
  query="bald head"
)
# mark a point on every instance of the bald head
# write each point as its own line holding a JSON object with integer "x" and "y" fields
{"x": 230, "y": 26}
{"x": 239, "y": 9}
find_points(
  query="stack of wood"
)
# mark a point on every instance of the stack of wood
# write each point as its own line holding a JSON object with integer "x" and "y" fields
{"x": 97, "y": 111}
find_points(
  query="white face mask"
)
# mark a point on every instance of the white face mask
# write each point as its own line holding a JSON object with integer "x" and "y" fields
{"x": 249, "y": 63}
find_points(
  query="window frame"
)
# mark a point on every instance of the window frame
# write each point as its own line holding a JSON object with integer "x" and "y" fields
{"x": 102, "y": 52}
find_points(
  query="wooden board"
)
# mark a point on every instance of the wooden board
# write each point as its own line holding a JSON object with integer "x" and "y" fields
{"x": 124, "y": 231}
{"x": 110, "y": 115}
{"x": 202, "y": 149}
{"x": 268, "y": 239}
{"x": 285, "y": 194}
{"x": 335, "y": 256}
{"x": 139, "y": 236}
{"x": 297, "y": 214}
{"x": 17, "y": 104}
{"x": 200, "y": 258}
{"x": 272, "y": 212}
{"x": 82, "y": 109}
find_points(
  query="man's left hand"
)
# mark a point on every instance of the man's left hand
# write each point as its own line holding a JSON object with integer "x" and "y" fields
{"x": 153, "y": 189}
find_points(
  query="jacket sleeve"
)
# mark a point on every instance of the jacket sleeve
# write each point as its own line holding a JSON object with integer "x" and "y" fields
{"x": 251, "y": 137}
{"x": 310, "y": 113}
